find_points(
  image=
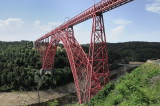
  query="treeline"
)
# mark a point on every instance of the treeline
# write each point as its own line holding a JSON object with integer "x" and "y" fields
{"x": 20, "y": 62}
{"x": 19, "y": 65}
{"x": 133, "y": 51}
{"x": 130, "y": 51}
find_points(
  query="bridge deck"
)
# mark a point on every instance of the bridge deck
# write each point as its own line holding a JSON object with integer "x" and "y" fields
{"x": 101, "y": 7}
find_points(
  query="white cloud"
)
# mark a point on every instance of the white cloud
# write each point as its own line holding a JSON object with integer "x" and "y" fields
{"x": 118, "y": 30}
{"x": 10, "y": 24}
{"x": 45, "y": 27}
{"x": 122, "y": 22}
{"x": 115, "y": 33}
{"x": 154, "y": 6}
{"x": 15, "y": 29}
{"x": 36, "y": 23}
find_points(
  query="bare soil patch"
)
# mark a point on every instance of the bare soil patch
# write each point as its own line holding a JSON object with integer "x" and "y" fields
{"x": 21, "y": 98}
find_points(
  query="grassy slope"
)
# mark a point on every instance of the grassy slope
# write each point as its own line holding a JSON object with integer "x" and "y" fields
{"x": 141, "y": 87}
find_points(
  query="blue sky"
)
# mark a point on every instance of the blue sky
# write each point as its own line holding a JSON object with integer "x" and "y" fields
{"x": 31, "y": 19}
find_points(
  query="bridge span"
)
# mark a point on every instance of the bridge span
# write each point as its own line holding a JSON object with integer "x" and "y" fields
{"x": 90, "y": 72}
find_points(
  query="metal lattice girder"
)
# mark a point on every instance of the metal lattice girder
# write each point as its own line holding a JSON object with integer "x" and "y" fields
{"x": 90, "y": 73}
{"x": 98, "y": 55}
{"x": 42, "y": 46}
{"x": 100, "y": 7}
{"x": 48, "y": 59}
{"x": 79, "y": 64}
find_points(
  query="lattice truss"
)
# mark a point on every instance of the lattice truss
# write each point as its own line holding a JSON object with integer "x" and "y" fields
{"x": 90, "y": 72}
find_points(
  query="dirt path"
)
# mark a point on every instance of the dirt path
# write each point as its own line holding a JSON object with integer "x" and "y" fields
{"x": 21, "y": 98}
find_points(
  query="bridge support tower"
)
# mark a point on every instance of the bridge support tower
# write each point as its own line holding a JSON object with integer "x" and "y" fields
{"x": 98, "y": 55}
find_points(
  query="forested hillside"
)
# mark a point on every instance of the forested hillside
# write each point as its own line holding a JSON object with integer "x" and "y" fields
{"x": 134, "y": 51}
{"x": 19, "y": 65}
{"x": 130, "y": 51}
{"x": 20, "y": 62}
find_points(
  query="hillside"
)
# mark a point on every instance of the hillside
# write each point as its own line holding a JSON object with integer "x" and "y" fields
{"x": 135, "y": 51}
{"x": 130, "y": 51}
{"x": 141, "y": 87}
{"x": 19, "y": 65}
{"x": 20, "y": 62}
